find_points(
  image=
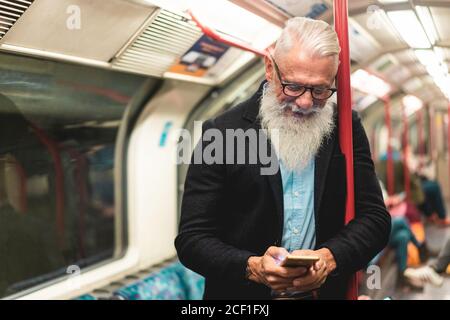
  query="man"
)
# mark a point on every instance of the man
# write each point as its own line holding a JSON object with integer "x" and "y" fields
{"x": 237, "y": 224}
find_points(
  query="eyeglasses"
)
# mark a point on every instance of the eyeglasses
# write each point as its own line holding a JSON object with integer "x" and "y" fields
{"x": 296, "y": 90}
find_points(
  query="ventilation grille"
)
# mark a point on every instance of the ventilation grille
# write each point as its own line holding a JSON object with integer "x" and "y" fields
{"x": 158, "y": 47}
{"x": 10, "y": 12}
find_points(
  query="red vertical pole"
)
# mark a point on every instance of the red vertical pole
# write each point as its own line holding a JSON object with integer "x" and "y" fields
{"x": 405, "y": 154}
{"x": 448, "y": 135}
{"x": 389, "y": 161}
{"x": 420, "y": 140}
{"x": 345, "y": 117}
{"x": 432, "y": 135}
{"x": 59, "y": 181}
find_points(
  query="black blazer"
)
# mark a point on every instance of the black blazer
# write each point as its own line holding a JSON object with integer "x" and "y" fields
{"x": 231, "y": 212}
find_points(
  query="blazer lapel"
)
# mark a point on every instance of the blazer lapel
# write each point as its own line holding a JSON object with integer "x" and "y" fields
{"x": 277, "y": 191}
{"x": 322, "y": 161}
{"x": 274, "y": 180}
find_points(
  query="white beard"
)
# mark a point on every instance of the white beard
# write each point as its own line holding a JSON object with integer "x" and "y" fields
{"x": 299, "y": 138}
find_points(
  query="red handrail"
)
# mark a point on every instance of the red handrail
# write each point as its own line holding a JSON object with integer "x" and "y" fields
{"x": 421, "y": 142}
{"x": 406, "y": 177}
{"x": 23, "y": 187}
{"x": 214, "y": 35}
{"x": 79, "y": 174}
{"x": 389, "y": 161}
{"x": 432, "y": 133}
{"x": 448, "y": 134}
{"x": 59, "y": 180}
{"x": 345, "y": 118}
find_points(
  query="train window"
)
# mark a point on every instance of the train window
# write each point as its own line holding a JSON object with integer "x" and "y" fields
{"x": 58, "y": 128}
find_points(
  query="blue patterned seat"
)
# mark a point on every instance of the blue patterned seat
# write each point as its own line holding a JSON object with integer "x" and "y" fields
{"x": 193, "y": 282}
{"x": 173, "y": 282}
{"x": 86, "y": 297}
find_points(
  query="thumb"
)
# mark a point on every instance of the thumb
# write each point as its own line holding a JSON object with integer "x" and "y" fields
{"x": 278, "y": 253}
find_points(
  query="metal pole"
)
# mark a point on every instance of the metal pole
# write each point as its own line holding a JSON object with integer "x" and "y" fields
{"x": 420, "y": 140}
{"x": 432, "y": 115}
{"x": 406, "y": 177}
{"x": 389, "y": 161}
{"x": 345, "y": 117}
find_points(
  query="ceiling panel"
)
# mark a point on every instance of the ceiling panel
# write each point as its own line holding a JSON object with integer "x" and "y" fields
{"x": 441, "y": 17}
{"x": 405, "y": 57}
{"x": 381, "y": 32}
{"x": 446, "y": 52}
{"x": 398, "y": 74}
{"x": 412, "y": 84}
{"x": 103, "y": 27}
{"x": 417, "y": 69}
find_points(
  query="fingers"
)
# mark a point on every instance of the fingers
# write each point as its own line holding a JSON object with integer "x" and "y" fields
{"x": 277, "y": 284}
{"x": 277, "y": 253}
{"x": 309, "y": 287}
{"x": 291, "y": 273}
{"x": 272, "y": 257}
{"x": 308, "y": 280}
{"x": 303, "y": 253}
{"x": 320, "y": 264}
{"x": 276, "y": 277}
{"x": 296, "y": 279}
{"x": 286, "y": 273}
{"x": 313, "y": 280}
{"x": 279, "y": 275}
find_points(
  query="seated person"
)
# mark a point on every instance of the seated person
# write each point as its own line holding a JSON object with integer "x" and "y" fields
{"x": 433, "y": 206}
{"x": 401, "y": 235}
{"x": 417, "y": 196}
{"x": 425, "y": 193}
{"x": 431, "y": 272}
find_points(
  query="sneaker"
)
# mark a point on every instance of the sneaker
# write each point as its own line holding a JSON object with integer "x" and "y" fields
{"x": 411, "y": 279}
{"x": 424, "y": 275}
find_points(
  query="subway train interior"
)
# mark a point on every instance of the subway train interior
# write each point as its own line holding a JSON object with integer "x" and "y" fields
{"x": 96, "y": 97}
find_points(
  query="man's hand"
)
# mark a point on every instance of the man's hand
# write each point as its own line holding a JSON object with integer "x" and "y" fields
{"x": 266, "y": 270}
{"x": 317, "y": 274}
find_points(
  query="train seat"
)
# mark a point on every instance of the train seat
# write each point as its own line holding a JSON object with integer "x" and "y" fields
{"x": 86, "y": 297}
{"x": 173, "y": 282}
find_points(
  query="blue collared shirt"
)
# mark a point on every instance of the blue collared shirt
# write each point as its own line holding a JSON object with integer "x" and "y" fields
{"x": 299, "y": 230}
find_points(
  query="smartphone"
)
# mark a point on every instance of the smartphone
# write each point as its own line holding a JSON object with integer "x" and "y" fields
{"x": 293, "y": 261}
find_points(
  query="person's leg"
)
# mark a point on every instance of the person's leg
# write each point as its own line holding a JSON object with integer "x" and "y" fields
{"x": 441, "y": 264}
{"x": 401, "y": 224}
{"x": 399, "y": 241}
{"x": 434, "y": 198}
{"x": 425, "y": 208}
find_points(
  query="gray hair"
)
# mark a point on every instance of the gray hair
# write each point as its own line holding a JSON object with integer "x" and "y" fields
{"x": 315, "y": 36}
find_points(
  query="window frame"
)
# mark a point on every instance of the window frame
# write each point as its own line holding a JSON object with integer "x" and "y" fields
{"x": 125, "y": 255}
